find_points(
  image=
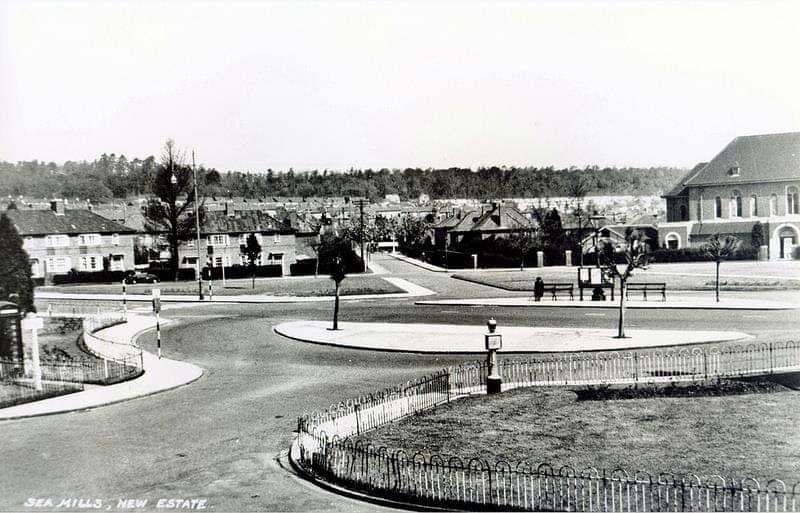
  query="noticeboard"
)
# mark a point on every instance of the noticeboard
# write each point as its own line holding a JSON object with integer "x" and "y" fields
{"x": 494, "y": 341}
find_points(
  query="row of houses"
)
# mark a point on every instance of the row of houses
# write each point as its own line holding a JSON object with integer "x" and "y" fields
{"x": 754, "y": 179}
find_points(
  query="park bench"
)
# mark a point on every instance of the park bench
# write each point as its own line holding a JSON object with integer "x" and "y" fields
{"x": 555, "y": 288}
{"x": 644, "y": 287}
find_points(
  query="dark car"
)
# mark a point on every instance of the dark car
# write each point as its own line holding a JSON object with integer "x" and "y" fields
{"x": 140, "y": 277}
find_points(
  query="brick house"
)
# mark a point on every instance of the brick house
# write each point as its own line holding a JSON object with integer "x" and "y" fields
{"x": 223, "y": 235}
{"x": 753, "y": 179}
{"x": 60, "y": 239}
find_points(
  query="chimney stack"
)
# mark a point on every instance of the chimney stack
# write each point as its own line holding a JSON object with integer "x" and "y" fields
{"x": 57, "y": 206}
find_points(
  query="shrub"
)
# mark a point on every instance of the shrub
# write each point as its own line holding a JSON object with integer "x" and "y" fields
{"x": 796, "y": 253}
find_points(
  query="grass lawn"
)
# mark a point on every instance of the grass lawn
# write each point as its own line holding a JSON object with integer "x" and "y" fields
{"x": 304, "y": 286}
{"x": 689, "y": 276}
{"x": 740, "y": 435}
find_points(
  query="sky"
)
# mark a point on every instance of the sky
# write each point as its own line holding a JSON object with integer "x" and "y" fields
{"x": 335, "y": 85}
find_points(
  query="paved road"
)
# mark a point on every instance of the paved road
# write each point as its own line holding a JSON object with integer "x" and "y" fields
{"x": 219, "y": 437}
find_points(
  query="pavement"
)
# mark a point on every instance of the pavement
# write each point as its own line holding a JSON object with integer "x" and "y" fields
{"x": 447, "y": 338}
{"x": 675, "y": 302}
{"x": 159, "y": 375}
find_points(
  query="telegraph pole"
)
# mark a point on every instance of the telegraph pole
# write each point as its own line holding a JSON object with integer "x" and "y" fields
{"x": 197, "y": 227}
{"x": 361, "y": 207}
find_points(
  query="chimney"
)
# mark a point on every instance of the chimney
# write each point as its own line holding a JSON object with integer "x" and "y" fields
{"x": 57, "y": 206}
{"x": 230, "y": 211}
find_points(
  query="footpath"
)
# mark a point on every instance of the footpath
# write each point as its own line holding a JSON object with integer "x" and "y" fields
{"x": 159, "y": 376}
{"x": 446, "y": 338}
{"x": 673, "y": 302}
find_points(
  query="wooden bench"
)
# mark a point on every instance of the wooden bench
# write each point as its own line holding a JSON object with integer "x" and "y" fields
{"x": 644, "y": 287}
{"x": 555, "y": 288}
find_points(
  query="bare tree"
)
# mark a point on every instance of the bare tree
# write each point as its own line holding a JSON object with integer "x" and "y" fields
{"x": 172, "y": 209}
{"x": 523, "y": 242}
{"x": 634, "y": 256}
{"x": 719, "y": 250}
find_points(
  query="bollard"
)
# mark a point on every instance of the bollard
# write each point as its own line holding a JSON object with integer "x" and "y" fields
{"x": 475, "y": 261}
{"x": 540, "y": 259}
{"x": 568, "y": 258}
{"x": 32, "y": 323}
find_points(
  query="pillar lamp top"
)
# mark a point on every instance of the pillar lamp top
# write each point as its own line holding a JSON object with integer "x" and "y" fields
{"x": 491, "y": 324}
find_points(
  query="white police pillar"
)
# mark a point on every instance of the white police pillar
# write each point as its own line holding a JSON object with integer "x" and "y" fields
{"x": 568, "y": 257}
{"x": 32, "y": 324}
{"x": 156, "y": 293}
{"x": 540, "y": 259}
{"x": 494, "y": 342}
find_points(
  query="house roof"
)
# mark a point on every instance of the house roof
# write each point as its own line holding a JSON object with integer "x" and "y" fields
{"x": 740, "y": 227}
{"x": 250, "y": 221}
{"x": 759, "y": 158}
{"x": 497, "y": 219}
{"x": 72, "y": 222}
{"x": 680, "y": 187}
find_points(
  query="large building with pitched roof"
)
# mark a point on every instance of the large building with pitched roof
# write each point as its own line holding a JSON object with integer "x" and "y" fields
{"x": 58, "y": 240}
{"x": 497, "y": 221}
{"x": 753, "y": 179}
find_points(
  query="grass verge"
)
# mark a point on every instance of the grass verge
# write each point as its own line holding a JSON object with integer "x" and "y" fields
{"x": 305, "y": 287}
{"x": 736, "y": 435}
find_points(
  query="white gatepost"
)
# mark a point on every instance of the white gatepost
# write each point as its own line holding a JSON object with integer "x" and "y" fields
{"x": 31, "y": 325}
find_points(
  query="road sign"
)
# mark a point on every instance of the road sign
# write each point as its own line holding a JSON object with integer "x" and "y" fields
{"x": 156, "y": 293}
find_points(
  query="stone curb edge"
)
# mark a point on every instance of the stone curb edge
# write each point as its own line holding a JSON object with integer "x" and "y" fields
{"x": 577, "y": 304}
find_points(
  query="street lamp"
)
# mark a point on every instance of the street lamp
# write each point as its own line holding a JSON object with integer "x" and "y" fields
{"x": 198, "y": 269}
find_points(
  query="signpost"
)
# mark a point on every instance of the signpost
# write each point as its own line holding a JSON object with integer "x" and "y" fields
{"x": 494, "y": 342}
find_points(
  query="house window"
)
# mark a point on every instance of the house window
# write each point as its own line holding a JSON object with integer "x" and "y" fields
{"x": 792, "y": 206}
{"x": 733, "y": 171}
{"x": 753, "y": 206}
{"x": 275, "y": 259}
{"x": 218, "y": 240}
{"x": 115, "y": 239}
{"x": 276, "y": 238}
{"x": 58, "y": 264}
{"x": 773, "y": 205}
{"x": 673, "y": 241}
{"x": 717, "y": 207}
{"x": 243, "y": 239}
{"x": 190, "y": 243}
{"x": 683, "y": 213}
{"x": 91, "y": 263}
{"x": 221, "y": 260}
{"x": 736, "y": 204}
{"x": 117, "y": 262}
{"x": 89, "y": 239}
{"x": 243, "y": 260}
{"x": 56, "y": 241}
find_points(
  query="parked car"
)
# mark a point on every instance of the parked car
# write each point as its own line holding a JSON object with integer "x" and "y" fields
{"x": 140, "y": 277}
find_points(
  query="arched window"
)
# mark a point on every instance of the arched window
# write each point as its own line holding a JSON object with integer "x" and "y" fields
{"x": 717, "y": 207}
{"x": 792, "y": 206}
{"x": 683, "y": 213}
{"x": 736, "y": 204}
{"x": 673, "y": 241}
{"x": 773, "y": 205}
{"x": 753, "y": 206}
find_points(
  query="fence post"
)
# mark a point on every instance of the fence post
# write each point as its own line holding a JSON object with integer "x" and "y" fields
{"x": 771, "y": 361}
{"x": 105, "y": 368}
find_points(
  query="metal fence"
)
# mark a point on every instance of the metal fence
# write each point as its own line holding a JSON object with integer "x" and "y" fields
{"x": 15, "y": 388}
{"x": 325, "y": 448}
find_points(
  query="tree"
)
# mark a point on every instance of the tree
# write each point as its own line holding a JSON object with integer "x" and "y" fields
{"x": 757, "y": 235}
{"x": 523, "y": 242}
{"x": 635, "y": 257}
{"x": 252, "y": 251}
{"x": 719, "y": 250}
{"x": 15, "y": 271}
{"x": 335, "y": 251}
{"x": 172, "y": 182}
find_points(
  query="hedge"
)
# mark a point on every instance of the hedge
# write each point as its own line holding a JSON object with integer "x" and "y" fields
{"x": 244, "y": 271}
{"x": 698, "y": 254}
{"x": 307, "y": 267}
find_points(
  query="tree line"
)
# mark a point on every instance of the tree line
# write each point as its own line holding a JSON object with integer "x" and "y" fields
{"x": 116, "y": 176}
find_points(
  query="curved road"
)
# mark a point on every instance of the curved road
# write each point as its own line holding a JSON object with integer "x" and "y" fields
{"x": 220, "y": 437}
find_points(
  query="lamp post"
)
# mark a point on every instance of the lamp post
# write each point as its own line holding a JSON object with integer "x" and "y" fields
{"x": 494, "y": 342}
